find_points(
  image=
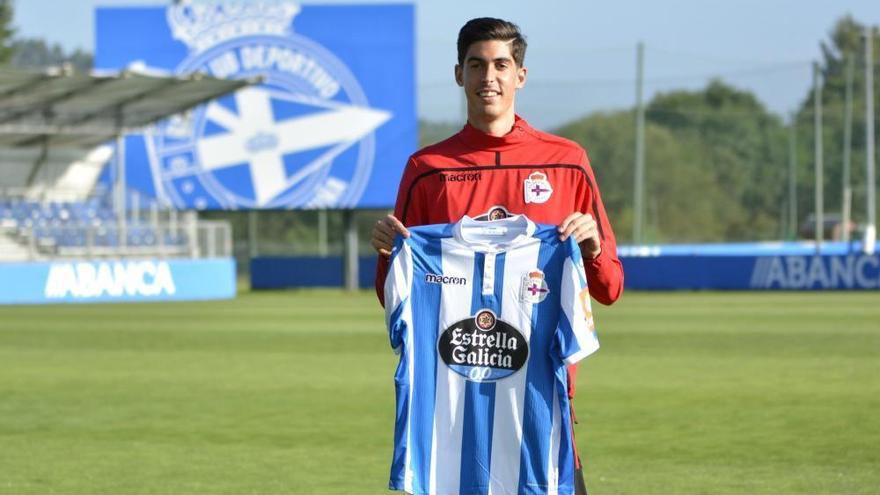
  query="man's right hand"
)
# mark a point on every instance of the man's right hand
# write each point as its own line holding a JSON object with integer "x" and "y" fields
{"x": 384, "y": 232}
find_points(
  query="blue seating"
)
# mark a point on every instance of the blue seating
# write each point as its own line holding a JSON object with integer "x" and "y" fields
{"x": 66, "y": 225}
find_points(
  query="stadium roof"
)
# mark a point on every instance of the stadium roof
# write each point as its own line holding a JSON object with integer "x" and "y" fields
{"x": 58, "y": 108}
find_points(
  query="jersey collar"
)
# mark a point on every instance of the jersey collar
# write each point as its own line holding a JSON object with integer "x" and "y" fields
{"x": 479, "y": 140}
{"x": 493, "y": 236}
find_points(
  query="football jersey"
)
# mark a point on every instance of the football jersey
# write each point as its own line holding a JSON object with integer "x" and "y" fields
{"x": 485, "y": 317}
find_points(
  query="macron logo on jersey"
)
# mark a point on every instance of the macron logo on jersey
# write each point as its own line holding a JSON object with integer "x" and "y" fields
{"x": 433, "y": 278}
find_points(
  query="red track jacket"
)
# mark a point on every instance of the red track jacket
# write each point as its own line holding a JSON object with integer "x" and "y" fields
{"x": 546, "y": 177}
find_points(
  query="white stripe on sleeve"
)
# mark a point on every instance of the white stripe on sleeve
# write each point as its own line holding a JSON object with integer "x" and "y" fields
{"x": 575, "y": 301}
{"x": 397, "y": 289}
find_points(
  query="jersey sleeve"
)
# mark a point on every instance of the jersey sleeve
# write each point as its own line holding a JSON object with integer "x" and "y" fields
{"x": 396, "y": 293}
{"x": 407, "y": 209}
{"x": 575, "y": 336}
{"x": 605, "y": 273}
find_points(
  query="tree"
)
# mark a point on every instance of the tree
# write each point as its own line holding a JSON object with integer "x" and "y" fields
{"x": 685, "y": 203}
{"x": 715, "y": 165}
{"x": 742, "y": 144}
{"x": 35, "y": 53}
{"x": 6, "y": 31}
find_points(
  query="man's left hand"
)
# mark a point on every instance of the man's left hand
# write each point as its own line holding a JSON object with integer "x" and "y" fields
{"x": 585, "y": 231}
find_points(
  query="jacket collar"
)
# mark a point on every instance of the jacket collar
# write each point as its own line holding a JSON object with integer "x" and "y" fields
{"x": 479, "y": 140}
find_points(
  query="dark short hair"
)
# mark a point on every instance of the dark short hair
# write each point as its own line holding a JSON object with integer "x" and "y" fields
{"x": 490, "y": 28}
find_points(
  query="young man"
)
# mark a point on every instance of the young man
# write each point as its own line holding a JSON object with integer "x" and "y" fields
{"x": 498, "y": 164}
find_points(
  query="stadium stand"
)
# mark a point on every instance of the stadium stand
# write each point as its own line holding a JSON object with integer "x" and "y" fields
{"x": 54, "y": 147}
{"x": 53, "y": 205}
{"x": 45, "y": 229}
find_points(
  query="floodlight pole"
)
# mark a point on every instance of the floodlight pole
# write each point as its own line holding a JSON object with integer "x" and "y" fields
{"x": 120, "y": 200}
{"x": 792, "y": 178}
{"x": 351, "y": 250}
{"x": 120, "y": 191}
{"x": 639, "y": 175}
{"x": 871, "y": 227}
{"x": 253, "y": 247}
{"x": 322, "y": 233}
{"x": 817, "y": 122}
{"x": 847, "y": 150}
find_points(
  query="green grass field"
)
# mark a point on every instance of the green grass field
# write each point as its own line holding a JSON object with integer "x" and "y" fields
{"x": 691, "y": 393}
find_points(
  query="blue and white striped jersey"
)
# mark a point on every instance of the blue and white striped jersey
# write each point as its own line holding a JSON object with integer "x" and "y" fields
{"x": 485, "y": 317}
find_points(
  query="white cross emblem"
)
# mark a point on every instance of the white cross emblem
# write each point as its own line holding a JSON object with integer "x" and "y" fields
{"x": 255, "y": 137}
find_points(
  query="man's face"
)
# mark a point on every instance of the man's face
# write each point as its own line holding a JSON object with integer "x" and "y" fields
{"x": 490, "y": 79}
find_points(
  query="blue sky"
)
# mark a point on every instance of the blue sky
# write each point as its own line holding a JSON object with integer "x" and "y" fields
{"x": 581, "y": 55}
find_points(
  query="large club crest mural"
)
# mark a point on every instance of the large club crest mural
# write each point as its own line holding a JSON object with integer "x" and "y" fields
{"x": 329, "y": 124}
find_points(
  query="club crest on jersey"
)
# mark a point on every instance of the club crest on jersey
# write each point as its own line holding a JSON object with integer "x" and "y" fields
{"x": 483, "y": 348}
{"x": 537, "y": 188}
{"x": 534, "y": 288}
{"x": 584, "y": 297}
{"x": 494, "y": 213}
